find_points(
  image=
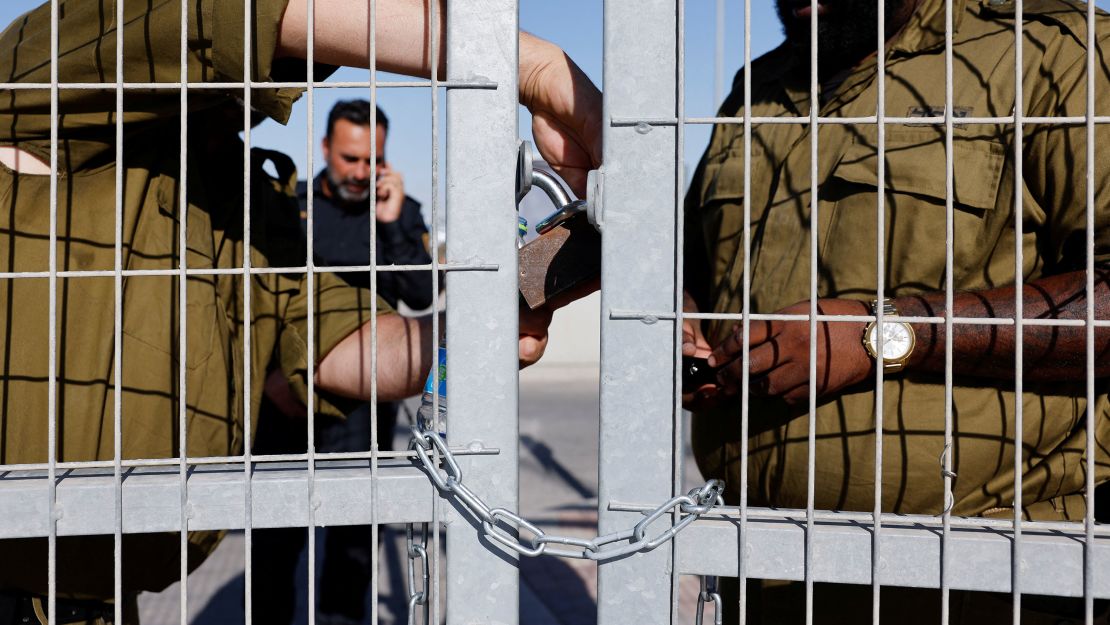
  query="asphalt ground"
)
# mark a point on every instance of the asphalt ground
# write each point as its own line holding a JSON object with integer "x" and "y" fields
{"x": 558, "y": 491}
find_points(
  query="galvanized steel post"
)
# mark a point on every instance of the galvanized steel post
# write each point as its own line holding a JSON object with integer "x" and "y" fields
{"x": 638, "y": 273}
{"x": 482, "y": 306}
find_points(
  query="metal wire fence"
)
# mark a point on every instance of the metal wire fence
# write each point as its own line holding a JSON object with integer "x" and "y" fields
{"x": 639, "y": 203}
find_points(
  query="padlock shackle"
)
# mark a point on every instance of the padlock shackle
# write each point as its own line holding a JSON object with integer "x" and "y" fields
{"x": 551, "y": 187}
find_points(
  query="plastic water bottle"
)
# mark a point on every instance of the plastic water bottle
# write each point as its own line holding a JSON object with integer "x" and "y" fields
{"x": 425, "y": 417}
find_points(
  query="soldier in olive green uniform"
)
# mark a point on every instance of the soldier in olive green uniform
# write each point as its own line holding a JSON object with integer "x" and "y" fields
{"x": 214, "y": 381}
{"x": 1052, "y": 183}
{"x": 216, "y": 393}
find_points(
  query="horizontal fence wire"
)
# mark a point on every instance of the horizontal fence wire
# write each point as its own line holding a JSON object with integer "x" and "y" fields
{"x": 254, "y": 271}
{"x": 653, "y": 317}
{"x": 210, "y": 460}
{"x": 224, "y": 86}
{"x": 862, "y": 121}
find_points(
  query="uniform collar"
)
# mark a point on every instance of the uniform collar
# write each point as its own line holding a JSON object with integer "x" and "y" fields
{"x": 925, "y": 30}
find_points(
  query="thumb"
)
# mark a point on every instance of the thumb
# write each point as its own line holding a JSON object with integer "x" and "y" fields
{"x": 693, "y": 341}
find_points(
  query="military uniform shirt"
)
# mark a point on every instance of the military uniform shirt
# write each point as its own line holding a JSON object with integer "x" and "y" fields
{"x": 1052, "y": 184}
{"x": 216, "y": 393}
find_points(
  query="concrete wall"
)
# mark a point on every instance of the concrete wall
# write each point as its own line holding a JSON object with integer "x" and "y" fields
{"x": 575, "y": 335}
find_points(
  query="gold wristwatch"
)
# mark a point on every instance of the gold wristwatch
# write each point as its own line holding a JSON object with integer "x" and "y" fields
{"x": 898, "y": 338}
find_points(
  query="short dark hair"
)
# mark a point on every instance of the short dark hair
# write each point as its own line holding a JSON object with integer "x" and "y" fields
{"x": 356, "y": 112}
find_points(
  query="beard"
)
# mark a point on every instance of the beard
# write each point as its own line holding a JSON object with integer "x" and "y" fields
{"x": 339, "y": 187}
{"x": 846, "y": 33}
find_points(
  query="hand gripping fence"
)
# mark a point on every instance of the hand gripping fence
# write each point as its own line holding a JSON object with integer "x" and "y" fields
{"x": 494, "y": 521}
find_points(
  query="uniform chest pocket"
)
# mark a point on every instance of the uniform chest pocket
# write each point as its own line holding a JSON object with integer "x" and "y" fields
{"x": 153, "y": 310}
{"x": 198, "y": 226}
{"x": 918, "y": 169}
{"x": 720, "y": 211}
{"x": 915, "y": 211}
{"x": 722, "y": 191}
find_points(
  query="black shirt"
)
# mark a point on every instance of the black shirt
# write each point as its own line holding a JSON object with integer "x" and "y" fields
{"x": 342, "y": 237}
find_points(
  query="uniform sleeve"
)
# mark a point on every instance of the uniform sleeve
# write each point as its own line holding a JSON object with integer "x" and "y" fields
{"x": 151, "y": 54}
{"x": 1056, "y": 165}
{"x": 339, "y": 310}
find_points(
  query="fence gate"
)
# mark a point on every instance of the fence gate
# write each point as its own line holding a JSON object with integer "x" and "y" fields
{"x": 640, "y": 197}
{"x": 641, "y": 190}
{"x": 637, "y": 201}
{"x": 182, "y": 494}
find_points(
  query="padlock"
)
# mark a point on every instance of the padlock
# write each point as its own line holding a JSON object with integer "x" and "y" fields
{"x": 564, "y": 262}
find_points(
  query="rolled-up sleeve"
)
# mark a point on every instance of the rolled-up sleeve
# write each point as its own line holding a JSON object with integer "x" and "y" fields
{"x": 152, "y": 37}
{"x": 338, "y": 310}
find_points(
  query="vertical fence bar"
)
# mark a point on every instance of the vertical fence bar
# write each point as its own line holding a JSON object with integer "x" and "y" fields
{"x": 638, "y": 245}
{"x": 811, "y": 443}
{"x": 677, "y": 431}
{"x": 52, "y": 336}
{"x": 742, "y": 555}
{"x": 182, "y": 329}
{"x": 310, "y": 283}
{"x": 949, "y": 327}
{"x": 1019, "y": 316}
{"x": 745, "y": 357}
{"x": 372, "y": 50}
{"x": 719, "y": 56}
{"x": 117, "y": 335}
{"x": 437, "y": 503}
{"x": 482, "y": 317}
{"x": 880, "y": 293}
{"x": 1089, "y": 516}
{"x": 247, "y": 325}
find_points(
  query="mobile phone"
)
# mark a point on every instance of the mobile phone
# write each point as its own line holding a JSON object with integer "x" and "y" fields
{"x": 696, "y": 373}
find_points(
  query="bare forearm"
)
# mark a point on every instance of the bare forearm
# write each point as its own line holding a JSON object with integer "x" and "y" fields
{"x": 341, "y": 34}
{"x": 404, "y": 358}
{"x": 401, "y": 35}
{"x": 1049, "y": 353}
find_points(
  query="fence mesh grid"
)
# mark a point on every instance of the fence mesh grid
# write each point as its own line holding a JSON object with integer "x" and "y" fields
{"x": 1017, "y": 121}
{"x": 184, "y": 463}
{"x": 812, "y": 517}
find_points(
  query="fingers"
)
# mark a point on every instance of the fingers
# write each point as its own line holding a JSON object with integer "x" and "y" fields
{"x": 534, "y": 322}
{"x": 733, "y": 345}
{"x": 693, "y": 341}
{"x": 388, "y": 183}
{"x": 706, "y": 397}
{"x": 771, "y": 371}
{"x": 532, "y": 339}
{"x": 530, "y": 349}
{"x": 390, "y": 192}
{"x": 689, "y": 347}
{"x": 569, "y": 154}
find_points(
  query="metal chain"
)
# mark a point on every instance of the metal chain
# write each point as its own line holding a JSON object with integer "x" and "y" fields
{"x": 417, "y": 547}
{"x": 498, "y": 523}
{"x": 708, "y": 594}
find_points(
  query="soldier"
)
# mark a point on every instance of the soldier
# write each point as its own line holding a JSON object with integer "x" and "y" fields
{"x": 1052, "y": 183}
{"x": 216, "y": 393}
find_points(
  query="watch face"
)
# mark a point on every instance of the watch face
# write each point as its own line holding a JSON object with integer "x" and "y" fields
{"x": 897, "y": 340}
